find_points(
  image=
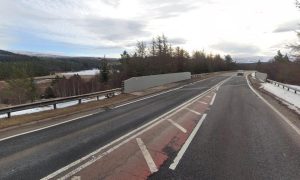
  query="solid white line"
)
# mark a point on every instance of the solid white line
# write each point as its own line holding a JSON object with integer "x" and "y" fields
{"x": 213, "y": 99}
{"x": 134, "y": 133}
{"x": 147, "y": 156}
{"x": 274, "y": 109}
{"x": 177, "y": 125}
{"x": 28, "y": 132}
{"x": 122, "y": 140}
{"x": 193, "y": 111}
{"x": 186, "y": 144}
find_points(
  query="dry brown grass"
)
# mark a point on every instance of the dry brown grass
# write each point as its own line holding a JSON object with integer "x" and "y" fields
{"x": 48, "y": 115}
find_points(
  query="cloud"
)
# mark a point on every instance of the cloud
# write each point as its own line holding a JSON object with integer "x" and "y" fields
{"x": 114, "y": 3}
{"x": 118, "y": 24}
{"x": 236, "y": 48}
{"x": 288, "y": 26}
{"x": 79, "y": 24}
{"x": 169, "y": 8}
{"x": 177, "y": 41}
{"x": 114, "y": 29}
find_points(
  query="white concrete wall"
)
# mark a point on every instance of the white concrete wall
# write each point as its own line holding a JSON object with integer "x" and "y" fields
{"x": 145, "y": 82}
{"x": 261, "y": 76}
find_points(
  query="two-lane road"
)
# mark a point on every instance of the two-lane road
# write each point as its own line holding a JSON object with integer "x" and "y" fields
{"x": 241, "y": 138}
{"x": 37, "y": 154}
{"x": 225, "y": 132}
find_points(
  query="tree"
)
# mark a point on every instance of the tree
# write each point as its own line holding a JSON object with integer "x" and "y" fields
{"x": 21, "y": 86}
{"x": 104, "y": 70}
{"x": 140, "y": 49}
{"x": 281, "y": 58}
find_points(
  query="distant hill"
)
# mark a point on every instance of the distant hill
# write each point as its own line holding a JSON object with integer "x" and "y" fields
{"x": 252, "y": 59}
{"x": 5, "y": 53}
{"x": 41, "y": 65}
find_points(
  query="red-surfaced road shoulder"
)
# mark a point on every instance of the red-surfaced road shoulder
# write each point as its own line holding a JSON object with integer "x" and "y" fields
{"x": 131, "y": 161}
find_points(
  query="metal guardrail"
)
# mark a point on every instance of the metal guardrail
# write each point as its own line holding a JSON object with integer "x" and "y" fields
{"x": 283, "y": 86}
{"x": 54, "y": 102}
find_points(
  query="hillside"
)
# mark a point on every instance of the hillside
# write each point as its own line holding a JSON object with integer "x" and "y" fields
{"x": 43, "y": 65}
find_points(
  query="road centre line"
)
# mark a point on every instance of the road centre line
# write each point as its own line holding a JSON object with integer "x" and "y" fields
{"x": 187, "y": 143}
{"x": 274, "y": 109}
{"x": 129, "y": 136}
{"x": 147, "y": 156}
{"x": 193, "y": 111}
{"x": 178, "y": 126}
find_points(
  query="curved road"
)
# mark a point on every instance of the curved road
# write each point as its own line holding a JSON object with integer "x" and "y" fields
{"x": 35, "y": 155}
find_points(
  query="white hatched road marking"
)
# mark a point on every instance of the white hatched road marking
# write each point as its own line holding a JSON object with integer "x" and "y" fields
{"x": 76, "y": 178}
{"x": 202, "y": 102}
{"x": 213, "y": 99}
{"x": 147, "y": 156}
{"x": 124, "y": 139}
{"x": 186, "y": 144}
{"x": 193, "y": 111}
{"x": 177, "y": 125}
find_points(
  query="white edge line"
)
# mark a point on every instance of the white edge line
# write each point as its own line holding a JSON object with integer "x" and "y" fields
{"x": 213, "y": 99}
{"x": 151, "y": 164}
{"x": 178, "y": 126}
{"x": 193, "y": 111}
{"x": 187, "y": 143}
{"x": 274, "y": 109}
{"x": 149, "y": 124}
{"x": 28, "y": 132}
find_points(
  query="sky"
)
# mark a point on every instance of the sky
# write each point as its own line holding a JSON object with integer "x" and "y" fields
{"x": 241, "y": 28}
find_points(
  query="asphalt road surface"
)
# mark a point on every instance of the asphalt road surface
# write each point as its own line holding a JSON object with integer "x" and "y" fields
{"x": 37, "y": 154}
{"x": 241, "y": 138}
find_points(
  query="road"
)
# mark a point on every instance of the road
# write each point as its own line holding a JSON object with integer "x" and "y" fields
{"x": 35, "y": 155}
{"x": 241, "y": 138}
{"x": 209, "y": 130}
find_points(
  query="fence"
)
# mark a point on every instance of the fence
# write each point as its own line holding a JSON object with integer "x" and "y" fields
{"x": 284, "y": 86}
{"x": 145, "y": 82}
{"x": 9, "y": 110}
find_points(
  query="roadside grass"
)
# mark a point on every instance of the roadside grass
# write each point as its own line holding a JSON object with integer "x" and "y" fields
{"x": 64, "y": 112}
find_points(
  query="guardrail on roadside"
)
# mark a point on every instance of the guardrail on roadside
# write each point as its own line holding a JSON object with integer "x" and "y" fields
{"x": 54, "y": 102}
{"x": 283, "y": 86}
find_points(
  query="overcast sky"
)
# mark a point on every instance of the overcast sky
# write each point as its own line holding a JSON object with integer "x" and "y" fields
{"x": 107, "y": 27}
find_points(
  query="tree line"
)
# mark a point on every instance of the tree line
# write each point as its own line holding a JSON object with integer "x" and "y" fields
{"x": 160, "y": 57}
{"x": 42, "y": 66}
